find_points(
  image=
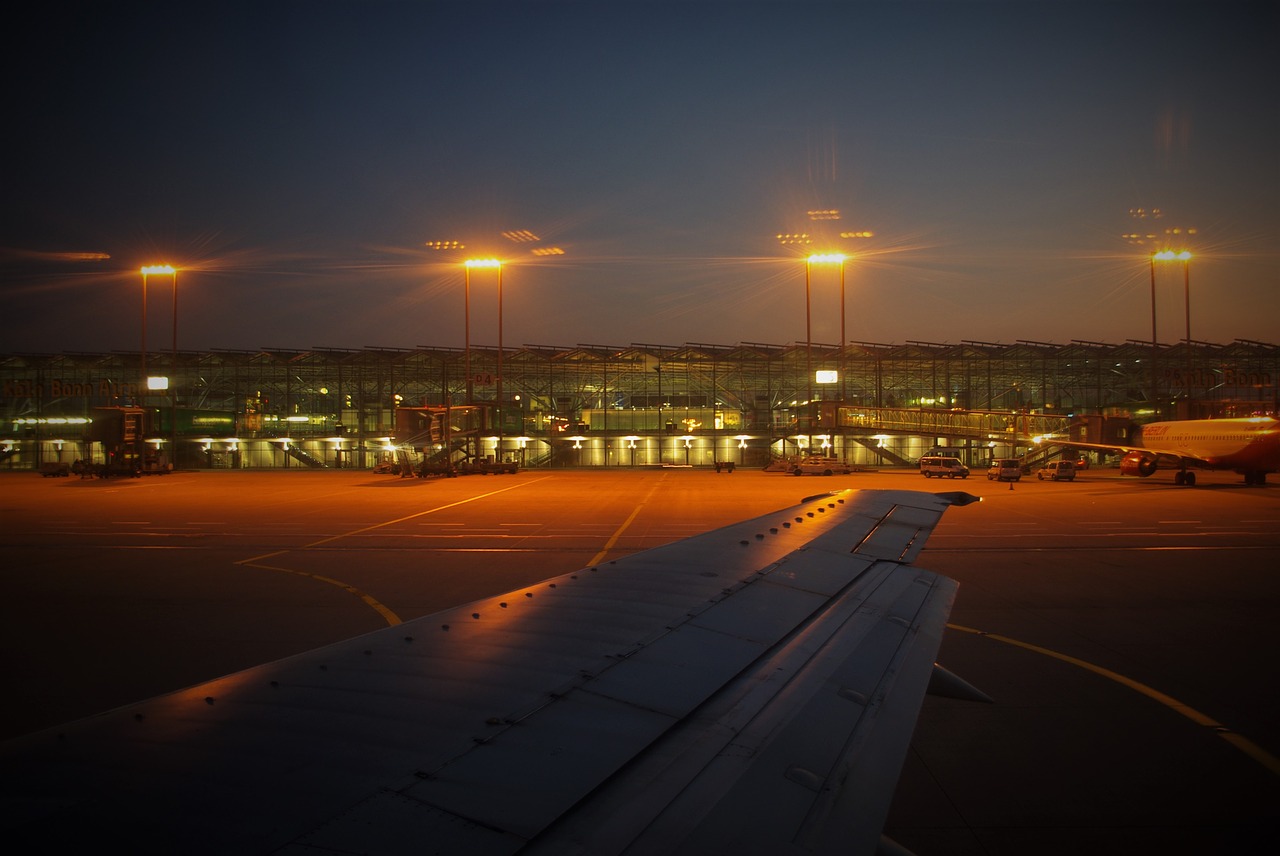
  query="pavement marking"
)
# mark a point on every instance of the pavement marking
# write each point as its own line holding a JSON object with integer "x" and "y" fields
{"x": 390, "y": 617}
{"x": 617, "y": 533}
{"x": 364, "y": 529}
{"x": 1239, "y": 741}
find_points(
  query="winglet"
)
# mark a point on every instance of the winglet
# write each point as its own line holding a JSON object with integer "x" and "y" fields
{"x": 958, "y": 497}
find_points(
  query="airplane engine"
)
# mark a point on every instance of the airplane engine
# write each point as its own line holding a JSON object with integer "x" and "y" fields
{"x": 1137, "y": 464}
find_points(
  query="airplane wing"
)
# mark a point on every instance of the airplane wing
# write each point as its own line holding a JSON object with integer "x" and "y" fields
{"x": 750, "y": 690}
{"x": 1150, "y": 457}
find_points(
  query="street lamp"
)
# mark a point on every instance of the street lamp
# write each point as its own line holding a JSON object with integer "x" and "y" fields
{"x": 1185, "y": 258}
{"x": 819, "y": 258}
{"x": 172, "y": 272}
{"x": 467, "y": 266}
{"x": 148, "y": 271}
{"x": 1168, "y": 256}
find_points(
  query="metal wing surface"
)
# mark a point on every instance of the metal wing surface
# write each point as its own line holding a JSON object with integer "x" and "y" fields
{"x": 749, "y": 690}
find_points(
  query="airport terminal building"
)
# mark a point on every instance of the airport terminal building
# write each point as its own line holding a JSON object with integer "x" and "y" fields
{"x": 696, "y": 405}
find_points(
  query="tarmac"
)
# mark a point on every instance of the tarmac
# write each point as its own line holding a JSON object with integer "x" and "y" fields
{"x": 1125, "y": 628}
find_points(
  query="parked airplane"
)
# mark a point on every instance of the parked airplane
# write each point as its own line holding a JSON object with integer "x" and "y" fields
{"x": 1250, "y": 446}
{"x": 750, "y": 690}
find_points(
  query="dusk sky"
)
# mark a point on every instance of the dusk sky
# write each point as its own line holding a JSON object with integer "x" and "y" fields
{"x": 294, "y": 159}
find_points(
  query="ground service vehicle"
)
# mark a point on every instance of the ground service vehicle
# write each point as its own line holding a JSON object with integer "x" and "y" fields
{"x": 1005, "y": 469}
{"x": 936, "y": 465}
{"x": 1057, "y": 471}
{"x": 820, "y": 466}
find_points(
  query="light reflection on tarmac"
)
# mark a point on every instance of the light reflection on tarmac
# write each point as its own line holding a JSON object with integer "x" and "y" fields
{"x": 117, "y": 590}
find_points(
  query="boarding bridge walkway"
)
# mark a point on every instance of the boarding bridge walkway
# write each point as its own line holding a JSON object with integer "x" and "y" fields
{"x": 975, "y": 425}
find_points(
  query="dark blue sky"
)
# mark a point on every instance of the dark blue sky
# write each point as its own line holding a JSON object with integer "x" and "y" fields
{"x": 294, "y": 159}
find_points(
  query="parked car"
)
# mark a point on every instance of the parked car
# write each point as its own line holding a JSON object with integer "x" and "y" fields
{"x": 1005, "y": 469}
{"x": 816, "y": 465}
{"x": 1057, "y": 471}
{"x": 936, "y": 465}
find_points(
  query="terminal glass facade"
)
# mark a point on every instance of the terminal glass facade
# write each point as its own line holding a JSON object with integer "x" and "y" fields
{"x": 599, "y": 406}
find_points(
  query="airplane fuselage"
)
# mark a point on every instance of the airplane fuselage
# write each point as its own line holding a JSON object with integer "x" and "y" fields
{"x": 1252, "y": 443}
{"x": 1248, "y": 445}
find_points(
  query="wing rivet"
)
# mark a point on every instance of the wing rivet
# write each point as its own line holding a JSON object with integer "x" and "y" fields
{"x": 208, "y": 699}
{"x": 744, "y": 542}
{"x": 787, "y": 525}
{"x": 475, "y": 615}
{"x": 773, "y": 530}
{"x": 528, "y": 594}
{"x": 444, "y": 627}
{"x": 503, "y": 604}
{"x": 759, "y": 536}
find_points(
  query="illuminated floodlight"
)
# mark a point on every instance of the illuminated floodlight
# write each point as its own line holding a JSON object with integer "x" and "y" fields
{"x": 155, "y": 270}
{"x": 154, "y": 383}
{"x": 445, "y": 245}
{"x": 547, "y": 251}
{"x": 827, "y": 259}
{"x": 520, "y": 236}
{"x": 826, "y": 376}
{"x": 862, "y": 234}
{"x": 825, "y": 214}
{"x": 787, "y": 239}
{"x": 483, "y": 263}
{"x": 1170, "y": 255}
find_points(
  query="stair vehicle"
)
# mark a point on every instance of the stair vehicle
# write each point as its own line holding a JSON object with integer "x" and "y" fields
{"x": 819, "y": 466}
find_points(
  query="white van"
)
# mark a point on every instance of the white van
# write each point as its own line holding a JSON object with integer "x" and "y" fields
{"x": 1005, "y": 469}
{"x": 936, "y": 465}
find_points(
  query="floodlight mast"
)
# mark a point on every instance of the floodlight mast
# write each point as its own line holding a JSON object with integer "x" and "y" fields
{"x": 819, "y": 258}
